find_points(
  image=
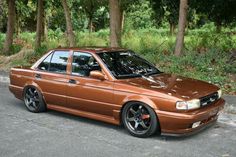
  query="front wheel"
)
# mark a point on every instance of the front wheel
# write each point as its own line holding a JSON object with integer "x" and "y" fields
{"x": 33, "y": 100}
{"x": 140, "y": 119}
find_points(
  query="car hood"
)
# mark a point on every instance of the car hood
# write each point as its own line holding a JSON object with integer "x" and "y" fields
{"x": 178, "y": 86}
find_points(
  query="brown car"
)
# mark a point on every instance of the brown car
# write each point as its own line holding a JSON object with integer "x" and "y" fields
{"x": 116, "y": 86}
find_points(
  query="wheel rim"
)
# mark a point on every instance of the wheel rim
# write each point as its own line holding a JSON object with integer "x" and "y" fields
{"x": 31, "y": 99}
{"x": 138, "y": 119}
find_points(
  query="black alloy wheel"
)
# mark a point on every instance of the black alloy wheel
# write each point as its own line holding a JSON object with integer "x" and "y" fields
{"x": 33, "y": 100}
{"x": 139, "y": 119}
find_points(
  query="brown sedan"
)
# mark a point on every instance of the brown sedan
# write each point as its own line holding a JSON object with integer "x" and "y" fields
{"x": 116, "y": 86}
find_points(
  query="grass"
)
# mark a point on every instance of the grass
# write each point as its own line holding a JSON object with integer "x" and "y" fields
{"x": 205, "y": 53}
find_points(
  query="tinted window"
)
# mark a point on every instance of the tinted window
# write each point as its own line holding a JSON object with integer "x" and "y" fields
{"x": 59, "y": 61}
{"x": 45, "y": 64}
{"x": 83, "y": 63}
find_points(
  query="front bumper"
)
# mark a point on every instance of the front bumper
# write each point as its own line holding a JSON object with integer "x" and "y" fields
{"x": 173, "y": 123}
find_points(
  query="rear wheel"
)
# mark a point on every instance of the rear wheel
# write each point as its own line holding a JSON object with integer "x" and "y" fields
{"x": 139, "y": 119}
{"x": 33, "y": 100}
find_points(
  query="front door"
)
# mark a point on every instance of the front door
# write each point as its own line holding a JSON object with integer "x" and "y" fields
{"x": 85, "y": 93}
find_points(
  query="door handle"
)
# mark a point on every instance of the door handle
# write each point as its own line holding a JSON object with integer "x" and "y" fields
{"x": 38, "y": 76}
{"x": 72, "y": 81}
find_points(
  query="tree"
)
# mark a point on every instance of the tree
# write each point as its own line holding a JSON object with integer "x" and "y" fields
{"x": 10, "y": 26}
{"x": 218, "y": 11}
{"x": 24, "y": 14}
{"x": 139, "y": 15}
{"x": 115, "y": 23}
{"x": 39, "y": 28}
{"x": 166, "y": 10}
{"x": 90, "y": 7}
{"x": 3, "y": 16}
{"x": 181, "y": 27}
{"x": 69, "y": 28}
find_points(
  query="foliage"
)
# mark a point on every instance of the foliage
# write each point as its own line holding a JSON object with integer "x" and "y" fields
{"x": 3, "y": 16}
{"x": 218, "y": 11}
{"x": 24, "y": 10}
{"x": 207, "y": 52}
{"x": 166, "y": 9}
{"x": 139, "y": 16}
{"x": 2, "y": 38}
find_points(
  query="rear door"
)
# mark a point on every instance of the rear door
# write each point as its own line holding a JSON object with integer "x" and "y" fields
{"x": 51, "y": 77}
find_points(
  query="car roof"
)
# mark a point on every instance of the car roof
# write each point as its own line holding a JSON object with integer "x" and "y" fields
{"x": 92, "y": 49}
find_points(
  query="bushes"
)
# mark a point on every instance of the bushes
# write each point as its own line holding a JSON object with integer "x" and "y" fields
{"x": 2, "y": 38}
{"x": 92, "y": 39}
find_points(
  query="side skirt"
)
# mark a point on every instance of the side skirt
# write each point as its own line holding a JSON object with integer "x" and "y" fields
{"x": 85, "y": 114}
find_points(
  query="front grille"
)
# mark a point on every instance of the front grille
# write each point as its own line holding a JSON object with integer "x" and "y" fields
{"x": 209, "y": 99}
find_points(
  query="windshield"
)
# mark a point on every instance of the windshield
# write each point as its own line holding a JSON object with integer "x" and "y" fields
{"x": 126, "y": 64}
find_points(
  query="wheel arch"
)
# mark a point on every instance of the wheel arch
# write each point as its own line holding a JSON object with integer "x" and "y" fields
{"x": 35, "y": 85}
{"x": 138, "y": 99}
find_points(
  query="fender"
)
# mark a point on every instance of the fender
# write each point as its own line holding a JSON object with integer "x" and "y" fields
{"x": 139, "y": 98}
{"x": 32, "y": 83}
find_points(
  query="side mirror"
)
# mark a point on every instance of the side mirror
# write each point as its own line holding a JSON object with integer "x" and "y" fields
{"x": 97, "y": 75}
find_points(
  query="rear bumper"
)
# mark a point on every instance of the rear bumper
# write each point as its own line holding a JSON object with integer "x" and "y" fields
{"x": 17, "y": 91}
{"x": 181, "y": 123}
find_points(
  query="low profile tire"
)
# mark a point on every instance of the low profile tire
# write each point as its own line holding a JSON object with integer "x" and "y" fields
{"x": 140, "y": 119}
{"x": 33, "y": 100}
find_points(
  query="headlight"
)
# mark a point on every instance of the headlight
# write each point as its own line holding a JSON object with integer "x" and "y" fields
{"x": 219, "y": 93}
{"x": 188, "y": 105}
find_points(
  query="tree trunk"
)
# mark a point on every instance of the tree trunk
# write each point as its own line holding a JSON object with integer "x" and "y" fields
{"x": 181, "y": 27}
{"x": 1, "y": 14}
{"x": 115, "y": 23}
{"x": 45, "y": 27}
{"x": 90, "y": 24}
{"x": 17, "y": 24}
{"x": 172, "y": 28}
{"x": 122, "y": 20}
{"x": 10, "y": 26}
{"x": 39, "y": 29}
{"x": 218, "y": 26}
{"x": 69, "y": 28}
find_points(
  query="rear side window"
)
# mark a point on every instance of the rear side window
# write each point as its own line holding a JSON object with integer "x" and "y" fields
{"x": 59, "y": 61}
{"x": 55, "y": 62}
{"x": 45, "y": 64}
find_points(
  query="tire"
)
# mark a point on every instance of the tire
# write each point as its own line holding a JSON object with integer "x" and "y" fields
{"x": 140, "y": 120}
{"x": 33, "y": 100}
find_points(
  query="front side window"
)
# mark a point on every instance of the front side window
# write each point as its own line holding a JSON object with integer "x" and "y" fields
{"x": 83, "y": 64}
{"x": 55, "y": 62}
{"x": 126, "y": 64}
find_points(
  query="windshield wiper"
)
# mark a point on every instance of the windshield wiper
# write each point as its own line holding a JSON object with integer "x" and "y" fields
{"x": 128, "y": 76}
{"x": 153, "y": 73}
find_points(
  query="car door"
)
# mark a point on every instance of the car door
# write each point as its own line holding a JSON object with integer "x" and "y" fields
{"x": 50, "y": 76}
{"x": 85, "y": 93}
